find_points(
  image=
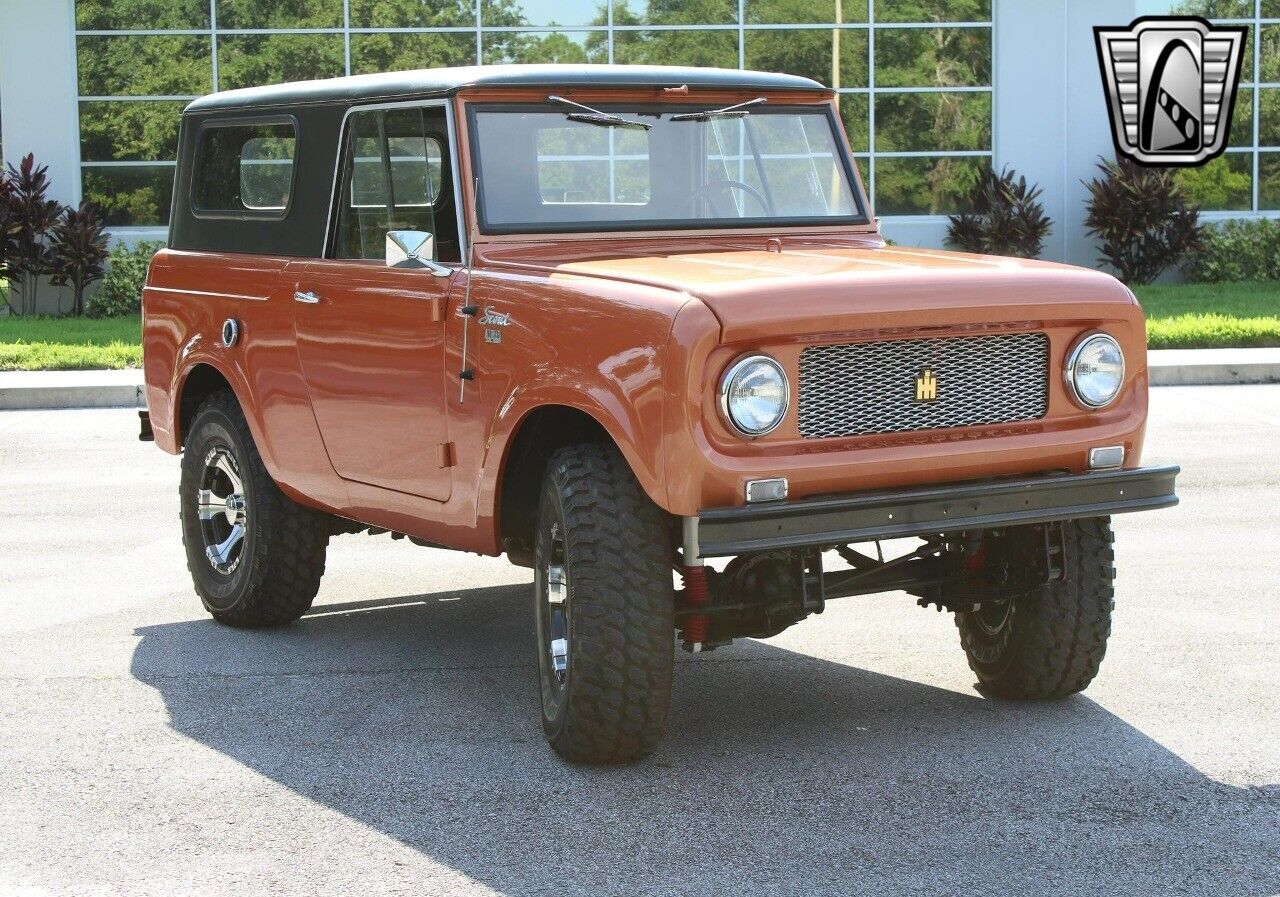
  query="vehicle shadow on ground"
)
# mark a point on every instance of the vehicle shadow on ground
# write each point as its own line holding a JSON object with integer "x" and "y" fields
{"x": 782, "y": 773}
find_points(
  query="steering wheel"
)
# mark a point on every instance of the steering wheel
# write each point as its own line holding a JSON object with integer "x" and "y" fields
{"x": 706, "y": 194}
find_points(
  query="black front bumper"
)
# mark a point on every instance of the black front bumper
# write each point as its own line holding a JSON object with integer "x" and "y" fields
{"x": 955, "y": 507}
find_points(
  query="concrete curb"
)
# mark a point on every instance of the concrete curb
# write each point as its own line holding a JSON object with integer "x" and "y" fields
{"x": 1210, "y": 367}
{"x": 123, "y": 389}
{"x": 70, "y": 389}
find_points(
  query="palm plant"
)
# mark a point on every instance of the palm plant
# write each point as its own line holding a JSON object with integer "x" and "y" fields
{"x": 79, "y": 247}
{"x": 30, "y": 218}
{"x": 9, "y": 228}
{"x": 1004, "y": 217}
{"x": 1142, "y": 220}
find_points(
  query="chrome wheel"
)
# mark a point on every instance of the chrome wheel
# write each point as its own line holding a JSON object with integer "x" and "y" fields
{"x": 556, "y": 588}
{"x": 993, "y": 615}
{"x": 221, "y": 507}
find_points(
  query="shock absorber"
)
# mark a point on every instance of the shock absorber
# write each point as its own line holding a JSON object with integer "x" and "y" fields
{"x": 975, "y": 553}
{"x": 697, "y": 589}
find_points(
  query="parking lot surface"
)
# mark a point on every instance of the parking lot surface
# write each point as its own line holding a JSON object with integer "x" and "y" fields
{"x": 389, "y": 742}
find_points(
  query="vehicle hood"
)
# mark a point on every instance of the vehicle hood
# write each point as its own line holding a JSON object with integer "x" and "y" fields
{"x": 813, "y": 287}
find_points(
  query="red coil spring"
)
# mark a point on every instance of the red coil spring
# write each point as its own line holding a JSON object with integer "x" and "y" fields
{"x": 697, "y": 592}
{"x": 975, "y": 558}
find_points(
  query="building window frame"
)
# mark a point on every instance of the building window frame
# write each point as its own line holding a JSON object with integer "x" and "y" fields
{"x": 1251, "y": 83}
{"x": 868, "y": 159}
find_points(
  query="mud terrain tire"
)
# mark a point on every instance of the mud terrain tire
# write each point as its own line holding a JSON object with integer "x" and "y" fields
{"x": 609, "y": 547}
{"x": 1048, "y": 643}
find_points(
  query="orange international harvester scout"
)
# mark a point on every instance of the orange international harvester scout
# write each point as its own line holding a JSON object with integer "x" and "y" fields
{"x": 637, "y": 329}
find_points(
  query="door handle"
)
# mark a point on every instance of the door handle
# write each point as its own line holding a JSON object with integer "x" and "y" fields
{"x": 307, "y": 298}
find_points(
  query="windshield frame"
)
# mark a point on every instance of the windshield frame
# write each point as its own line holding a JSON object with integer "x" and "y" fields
{"x": 860, "y": 219}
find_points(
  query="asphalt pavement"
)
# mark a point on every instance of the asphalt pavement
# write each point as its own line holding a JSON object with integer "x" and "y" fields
{"x": 389, "y": 742}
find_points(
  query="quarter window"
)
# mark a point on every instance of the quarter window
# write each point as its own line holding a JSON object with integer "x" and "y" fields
{"x": 244, "y": 169}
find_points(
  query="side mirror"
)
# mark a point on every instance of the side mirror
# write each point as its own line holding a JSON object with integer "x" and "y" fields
{"x": 414, "y": 249}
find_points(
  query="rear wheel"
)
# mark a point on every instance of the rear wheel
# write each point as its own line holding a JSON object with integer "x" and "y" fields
{"x": 1048, "y": 642}
{"x": 603, "y": 609}
{"x": 255, "y": 556}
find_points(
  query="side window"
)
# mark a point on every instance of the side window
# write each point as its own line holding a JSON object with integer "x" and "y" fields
{"x": 395, "y": 177}
{"x": 244, "y": 169}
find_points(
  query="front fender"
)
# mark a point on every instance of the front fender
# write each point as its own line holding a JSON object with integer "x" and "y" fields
{"x": 639, "y": 439}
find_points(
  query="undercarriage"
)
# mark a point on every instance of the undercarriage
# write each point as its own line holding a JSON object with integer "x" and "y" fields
{"x": 759, "y": 595}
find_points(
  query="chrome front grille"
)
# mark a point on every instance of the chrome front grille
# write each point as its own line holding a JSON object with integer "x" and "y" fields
{"x": 860, "y": 389}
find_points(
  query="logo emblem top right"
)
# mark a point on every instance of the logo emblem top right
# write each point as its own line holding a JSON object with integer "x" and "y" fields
{"x": 1171, "y": 87}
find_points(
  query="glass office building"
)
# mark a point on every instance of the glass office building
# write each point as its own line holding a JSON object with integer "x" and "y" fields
{"x": 907, "y": 70}
{"x": 932, "y": 92}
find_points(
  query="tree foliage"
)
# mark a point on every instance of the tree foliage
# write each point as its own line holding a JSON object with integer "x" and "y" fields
{"x": 1225, "y": 184}
{"x": 935, "y": 57}
{"x": 1141, "y": 219}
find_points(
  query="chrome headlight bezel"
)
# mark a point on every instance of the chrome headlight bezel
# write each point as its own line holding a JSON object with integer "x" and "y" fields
{"x": 735, "y": 370}
{"x": 1073, "y": 360}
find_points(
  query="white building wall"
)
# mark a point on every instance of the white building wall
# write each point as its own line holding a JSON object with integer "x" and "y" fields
{"x": 38, "y": 89}
{"x": 38, "y": 110}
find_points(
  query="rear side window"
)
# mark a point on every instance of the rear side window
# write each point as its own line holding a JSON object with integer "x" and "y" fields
{"x": 245, "y": 169}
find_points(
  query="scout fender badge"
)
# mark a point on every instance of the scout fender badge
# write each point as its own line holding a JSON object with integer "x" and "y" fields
{"x": 494, "y": 318}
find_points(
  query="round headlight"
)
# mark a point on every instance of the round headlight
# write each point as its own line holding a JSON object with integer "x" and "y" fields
{"x": 1095, "y": 370}
{"x": 754, "y": 395}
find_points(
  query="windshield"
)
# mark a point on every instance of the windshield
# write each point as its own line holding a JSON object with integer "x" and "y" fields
{"x": 542, "y": 170}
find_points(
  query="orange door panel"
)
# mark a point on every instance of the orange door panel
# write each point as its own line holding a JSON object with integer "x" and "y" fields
{"x": 371, "y": 344}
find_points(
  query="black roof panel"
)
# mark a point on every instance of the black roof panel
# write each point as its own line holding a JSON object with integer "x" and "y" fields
{"x": 389, "y": 86}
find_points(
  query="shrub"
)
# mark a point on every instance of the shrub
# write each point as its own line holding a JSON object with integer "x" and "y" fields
{"x": 1004, "y": 218}
{"x": 79, "y": 249}
{"x": 1237, "y": 251}
{"x": 121, "y": 290}
{"x": 1141, "y": 219}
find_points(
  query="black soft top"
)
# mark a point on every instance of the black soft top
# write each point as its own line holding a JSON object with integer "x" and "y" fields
{"x": 391, "y": 86}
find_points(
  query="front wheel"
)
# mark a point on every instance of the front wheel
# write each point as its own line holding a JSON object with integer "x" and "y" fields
{"x": 603, "y": 609}
{"x": 255, "y": 555}
{"x": 1047, "y": 642}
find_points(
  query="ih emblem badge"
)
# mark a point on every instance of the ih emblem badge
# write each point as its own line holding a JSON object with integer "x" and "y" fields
{"x": 1171, "y": 88}
{"x": 926, "y": 386}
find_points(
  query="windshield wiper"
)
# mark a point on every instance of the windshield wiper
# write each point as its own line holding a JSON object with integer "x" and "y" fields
{"x": 735, "y": 111}
{"x": 596, "y": 117}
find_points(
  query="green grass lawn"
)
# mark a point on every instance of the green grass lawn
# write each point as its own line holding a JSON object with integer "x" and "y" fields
{"x": 1181, "y": 316}
{"x": 1211, "y": 315}
{"x": 69, "y": 344}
